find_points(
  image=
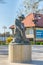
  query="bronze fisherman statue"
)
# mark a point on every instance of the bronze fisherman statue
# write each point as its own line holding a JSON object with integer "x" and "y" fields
{"x": 20, "y": 31}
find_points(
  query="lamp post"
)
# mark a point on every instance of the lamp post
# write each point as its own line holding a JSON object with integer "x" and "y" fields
{"x": 4, "y": 27}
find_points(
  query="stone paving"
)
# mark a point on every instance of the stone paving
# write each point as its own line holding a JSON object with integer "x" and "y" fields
{"x": 37, "y": 56}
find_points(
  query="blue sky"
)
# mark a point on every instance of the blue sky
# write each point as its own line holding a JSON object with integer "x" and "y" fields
{"x": 8, "y": 12}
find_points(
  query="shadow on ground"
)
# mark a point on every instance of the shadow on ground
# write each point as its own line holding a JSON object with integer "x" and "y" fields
{"x": 37, "y": 62}
{"x": 34, "y": 62}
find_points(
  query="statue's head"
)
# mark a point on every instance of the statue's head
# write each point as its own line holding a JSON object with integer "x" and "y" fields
{"x": 21, "y": 18}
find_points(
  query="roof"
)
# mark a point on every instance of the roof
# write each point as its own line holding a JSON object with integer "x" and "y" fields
{"x": 28, "y": 21}
{"x": 12, "y": 27}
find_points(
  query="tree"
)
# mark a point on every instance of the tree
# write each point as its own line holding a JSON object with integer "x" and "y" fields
{"x": 31, "y": 6}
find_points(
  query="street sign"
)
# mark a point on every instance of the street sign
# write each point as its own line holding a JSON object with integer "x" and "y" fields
{"x": 39, "y": 34}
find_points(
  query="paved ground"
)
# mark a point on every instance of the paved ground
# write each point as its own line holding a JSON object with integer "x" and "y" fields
{"x": 37, "y": 56}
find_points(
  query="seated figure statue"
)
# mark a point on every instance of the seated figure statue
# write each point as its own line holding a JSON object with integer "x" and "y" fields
{"x": 20, "y": 32}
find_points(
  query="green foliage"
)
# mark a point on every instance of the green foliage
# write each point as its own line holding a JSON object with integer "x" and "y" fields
{"x": 2, "y": 43}
{"x": 37, "y": 43}
{"x": 32, "y": 43}
{"x": 41, "y": 43}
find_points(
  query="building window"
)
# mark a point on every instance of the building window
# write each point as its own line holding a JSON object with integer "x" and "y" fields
{"x": 38, "y": 16}
{"x": 29, "y": 31}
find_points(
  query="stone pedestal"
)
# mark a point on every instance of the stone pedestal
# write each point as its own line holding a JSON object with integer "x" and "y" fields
{"x": 19, "y": 53}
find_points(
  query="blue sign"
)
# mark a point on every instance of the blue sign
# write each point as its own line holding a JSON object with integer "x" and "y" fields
{"x": 39, "y": 34}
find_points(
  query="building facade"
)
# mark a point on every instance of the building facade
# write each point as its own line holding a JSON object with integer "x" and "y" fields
{"x": 31, "y": 22}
